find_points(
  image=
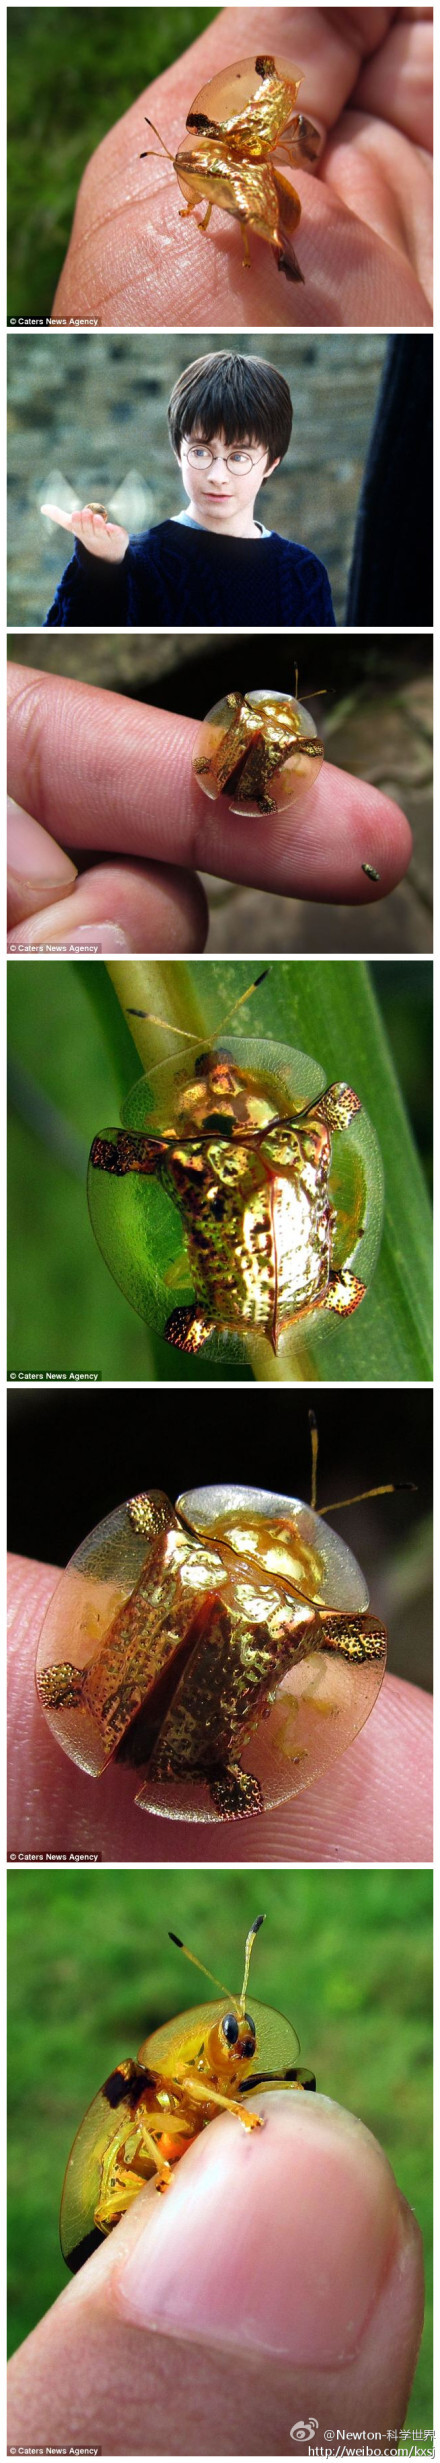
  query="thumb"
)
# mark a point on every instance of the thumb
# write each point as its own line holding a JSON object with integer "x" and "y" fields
{"x": 277, "y": 2284}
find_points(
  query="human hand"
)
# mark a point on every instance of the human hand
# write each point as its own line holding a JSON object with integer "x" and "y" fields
{"x": 278, "y": 2282}
{"x": 101, "y": 537}
{"x": 365, "y": 237}
{"x": 373, "y": 1804}
{"x": 105, "y": 775}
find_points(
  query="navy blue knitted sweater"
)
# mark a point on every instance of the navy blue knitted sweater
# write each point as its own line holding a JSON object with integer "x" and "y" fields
{"x": 174, "y": 575}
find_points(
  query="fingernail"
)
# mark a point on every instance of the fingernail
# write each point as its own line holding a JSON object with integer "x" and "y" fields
{"x": 34, "y": 857}
{"x": 55, "y": 929}
{"x": 276, "y": 2241}
{"x": 101, "y": 936}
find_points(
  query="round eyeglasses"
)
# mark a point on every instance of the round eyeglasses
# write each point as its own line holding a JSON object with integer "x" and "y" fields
{"x": 200, "y": 458}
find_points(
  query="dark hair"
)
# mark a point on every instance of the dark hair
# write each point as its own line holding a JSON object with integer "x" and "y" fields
{"x": 237, "y": 396}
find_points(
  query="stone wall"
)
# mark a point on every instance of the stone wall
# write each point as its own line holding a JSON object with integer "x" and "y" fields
{"x": 94, "y": 407}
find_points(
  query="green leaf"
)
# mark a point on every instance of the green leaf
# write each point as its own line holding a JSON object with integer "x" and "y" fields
{"x": 330, "y": 1011}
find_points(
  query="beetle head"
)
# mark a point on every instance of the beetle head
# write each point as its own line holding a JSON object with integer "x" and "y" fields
{"x": 233, "y": 2038}
{"x": 231, "y": 2042}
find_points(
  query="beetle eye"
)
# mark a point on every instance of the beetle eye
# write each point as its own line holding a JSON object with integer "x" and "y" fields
{"x": 230, "y": 2028}
{"x": 249, "y": 2022}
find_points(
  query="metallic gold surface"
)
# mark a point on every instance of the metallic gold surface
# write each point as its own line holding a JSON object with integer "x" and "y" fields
{"x": 227, "y": 1657}
{"x": 258, "y": 1224}
{"x": 237, "y": 123}
{"x": 248, "y": 1638}
{"x": 254, "y": 1201}
{"x": 253, "y": 1193}
{"x": 278, "y": 1545}
{"x": 251, "y": 743}
{"x": 223, "y": 1638}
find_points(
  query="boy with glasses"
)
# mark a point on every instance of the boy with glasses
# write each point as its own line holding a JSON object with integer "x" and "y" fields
{"x": 230, "y": 421}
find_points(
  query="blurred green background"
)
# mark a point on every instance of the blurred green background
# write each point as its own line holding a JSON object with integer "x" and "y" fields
{"x": 71, "y": 73}
{"x": 346, "y": 1956}
{"x": 66, "y": 1312}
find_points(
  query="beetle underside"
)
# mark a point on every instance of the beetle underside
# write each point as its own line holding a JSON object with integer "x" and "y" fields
{"x": 159, "y": 2117}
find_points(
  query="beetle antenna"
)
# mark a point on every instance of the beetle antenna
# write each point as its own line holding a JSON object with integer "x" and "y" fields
{"x": 183, "y": 1031}
{"x": 243, "y": 996}
{"x": 390, "y": 1489}
{"x": 314, "y": 1439}
{"x": 198, "y": 1962}
{"x": 150, "y": 148}
{"x": 151, "y": 1020}
{"x": 255, "y": 1928}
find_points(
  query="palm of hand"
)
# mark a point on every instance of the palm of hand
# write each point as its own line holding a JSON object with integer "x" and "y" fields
{"x": 365, "y": 233}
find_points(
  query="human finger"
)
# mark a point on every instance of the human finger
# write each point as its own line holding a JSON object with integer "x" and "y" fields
{"x": 139, "y": 907}
{"x": 131, "y": 261}
{"x": 396, "y": 81}
{"x": 376, "y": 1800}
{"x": 39, "y": 873}
{"x": 104, "y": 772}
{"x": 387, "y": 183}
{"x": 279, "y": 2280}
{"x": 101, "y": 537}
{"x": 57, "y": 513}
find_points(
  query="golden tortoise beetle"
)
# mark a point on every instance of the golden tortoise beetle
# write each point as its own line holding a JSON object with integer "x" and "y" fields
{"x": 241, "y": 1195}
{"x": 222, "y": 1648}
{"x": 260, "y": 750}
{"x": 241, "y": 127}
{"x": 149, "y": 2111}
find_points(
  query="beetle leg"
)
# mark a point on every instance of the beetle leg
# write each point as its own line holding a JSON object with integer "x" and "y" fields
{"x": 344, "y": 1293}
{"x": 235, "y": 1791}
{"x": 203, "y": 225}
{"x": 246, "y": 260}
{"x": 196, "y": 2092}
{"x": 184, "y": 210}
{"x": 120, "y": 2182}
{"x": 300, "y": 142}
{"x": 355, "y": 1637}
{"x": 188, "y": 1329}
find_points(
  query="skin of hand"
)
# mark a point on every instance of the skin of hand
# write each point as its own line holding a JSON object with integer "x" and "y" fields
{"x": 375, "y": 1802}
{"x": 364, "y": 241}
{"x": 114, "y": 780}
{"x": 104, "y": 539}
{"x": 278, "y": 2282}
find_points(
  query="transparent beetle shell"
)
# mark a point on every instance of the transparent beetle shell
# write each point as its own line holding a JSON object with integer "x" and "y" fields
{"x": 259, "y": 750}
{"x": 227, "y": 1205}
{"x": 222, "y": 1649}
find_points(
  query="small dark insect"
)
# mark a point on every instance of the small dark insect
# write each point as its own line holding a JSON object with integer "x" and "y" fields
{"x": 242, "y": 125}
{"x": 370, "y": 872}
